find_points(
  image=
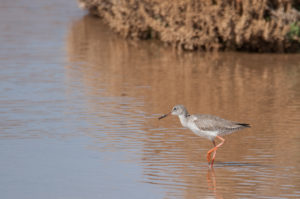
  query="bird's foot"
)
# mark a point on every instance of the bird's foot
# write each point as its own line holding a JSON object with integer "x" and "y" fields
{"x": 210, "y": 165}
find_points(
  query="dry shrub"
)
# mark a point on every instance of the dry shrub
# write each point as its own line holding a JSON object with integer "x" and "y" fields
{"x": 252, "y": 25}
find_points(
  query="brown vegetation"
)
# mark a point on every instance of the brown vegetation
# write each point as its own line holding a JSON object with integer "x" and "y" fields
{"x": 252, "y": 25}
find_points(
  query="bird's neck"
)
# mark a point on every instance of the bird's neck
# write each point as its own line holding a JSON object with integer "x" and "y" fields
{"x": 184, "y": 119}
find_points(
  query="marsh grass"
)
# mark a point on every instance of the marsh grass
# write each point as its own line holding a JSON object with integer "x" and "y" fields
{"x": 246, "y": 25}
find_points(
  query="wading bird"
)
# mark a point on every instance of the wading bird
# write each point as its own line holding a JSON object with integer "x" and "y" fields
{"x": 208, "y": 126}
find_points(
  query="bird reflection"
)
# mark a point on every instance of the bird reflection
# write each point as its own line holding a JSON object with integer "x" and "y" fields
{"x": 212, "y": 183}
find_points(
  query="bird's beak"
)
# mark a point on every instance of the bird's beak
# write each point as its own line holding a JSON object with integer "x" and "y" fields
{"x": 163, "y": 116}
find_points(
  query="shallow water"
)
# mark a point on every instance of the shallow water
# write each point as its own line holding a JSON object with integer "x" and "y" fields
{"x": 79, "y": 108}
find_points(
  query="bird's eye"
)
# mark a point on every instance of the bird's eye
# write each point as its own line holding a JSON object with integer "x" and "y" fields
{"x": 174, "y": 108}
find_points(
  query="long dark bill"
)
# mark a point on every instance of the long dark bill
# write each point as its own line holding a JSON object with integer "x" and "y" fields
{"x": 163, "y": 116}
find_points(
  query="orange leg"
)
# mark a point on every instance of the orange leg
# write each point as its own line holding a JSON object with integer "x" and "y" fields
{"x": 215, "y": 151}
{"x": 213, "y": 158}
{"x": 209, "y": 152}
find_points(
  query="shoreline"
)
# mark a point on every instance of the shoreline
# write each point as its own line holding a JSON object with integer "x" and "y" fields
{"x": 260, "y": 26}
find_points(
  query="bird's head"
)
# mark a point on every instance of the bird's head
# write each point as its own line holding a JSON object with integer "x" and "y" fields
{"x": 176, "y": 110}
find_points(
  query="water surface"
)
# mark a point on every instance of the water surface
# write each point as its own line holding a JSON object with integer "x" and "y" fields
{"x": 79, "y": 108}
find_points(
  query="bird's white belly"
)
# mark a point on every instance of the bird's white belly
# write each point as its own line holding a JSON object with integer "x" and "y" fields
{"x": 207, "y": 134}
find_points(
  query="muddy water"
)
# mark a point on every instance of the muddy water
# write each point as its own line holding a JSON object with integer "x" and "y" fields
{"x": 79, "y": 108}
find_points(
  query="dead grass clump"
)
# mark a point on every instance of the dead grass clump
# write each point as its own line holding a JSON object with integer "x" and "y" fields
{"x": 252, "y": 25}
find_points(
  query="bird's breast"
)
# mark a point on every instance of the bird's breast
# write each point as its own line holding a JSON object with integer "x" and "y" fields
{"x": 183, "y": 121}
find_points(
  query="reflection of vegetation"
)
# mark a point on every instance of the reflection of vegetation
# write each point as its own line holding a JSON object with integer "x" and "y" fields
{"x": 294, "y": 33}
{"x": 251, "y": 25}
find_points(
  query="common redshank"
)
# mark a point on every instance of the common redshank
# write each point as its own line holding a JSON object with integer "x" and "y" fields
{"x": 208, "y": 126}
